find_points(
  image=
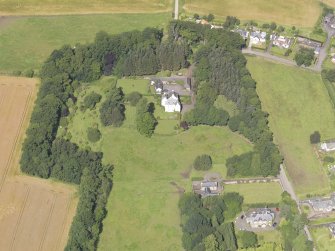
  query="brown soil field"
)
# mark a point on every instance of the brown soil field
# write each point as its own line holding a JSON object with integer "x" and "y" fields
{"x": 35, "y": 214}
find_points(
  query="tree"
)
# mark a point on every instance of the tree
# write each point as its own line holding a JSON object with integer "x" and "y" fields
{"x": 233, "y": 202}
{"x": 145, "y": 120}
{"x": 280, "y": 28}
{"x": 210, "y": 17}
{"x": 304, "y": 57}
{"x": 248, "y": 239}
{"x": 112, "y": 110}
{"x": 273, "y": 26}
{"x": 315, "y": 137}
{"x": 211, "y": 243}
{"x": 202, "y": 162}
{"x": 329, "y": 74}
{"x": 133, "y": 98}
{"x": 196, "y": 16}
{"x": 91, "y": 100}
{"x": 93, "y": 134}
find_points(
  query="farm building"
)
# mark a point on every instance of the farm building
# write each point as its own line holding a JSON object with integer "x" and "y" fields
{"x": 261, "y": 218}
{"x": 323, "y": 205}
{"x": 257, "y": 37}
{"x": 311, "y": 44}
{"x": 170, "y": 101}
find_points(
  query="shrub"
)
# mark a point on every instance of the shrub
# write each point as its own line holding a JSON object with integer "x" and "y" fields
{"x": 328, "y": 159}
{"x": 315, "y": 137}
{"x": 133, "y": 98}
{"x": 29, "y": 73}
{"x": 93, "y": 134}
{"x": 203, "y": 162}
{"x": 288, "y": 52}
{"x": 91, "y": 100}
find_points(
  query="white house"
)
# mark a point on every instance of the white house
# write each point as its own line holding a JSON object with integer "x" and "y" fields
{"x": 261, "y": 218}
{"x": 257, "y": 37}
{"x": 328, "y": 146}
{"x": 170, "y": 101}
{"x": 282, "y": 42}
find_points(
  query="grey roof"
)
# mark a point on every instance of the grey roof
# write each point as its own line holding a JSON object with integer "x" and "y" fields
{"x": 263, "y": 214}
{"x": 158, "y": 84}
{"x": 209, "y": 184}
{"x": 321, "y": 204}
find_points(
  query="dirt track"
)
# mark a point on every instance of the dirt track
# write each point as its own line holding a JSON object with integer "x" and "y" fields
{"x": 35, "y": 214}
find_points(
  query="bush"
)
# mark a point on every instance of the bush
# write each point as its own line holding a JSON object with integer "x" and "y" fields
{"x": 288, "y": 52}
{"x": 93, "y": 134}
{"x": 304, "y": 57}
{"x": 328, "y": 159}
{"x": 91, "y": 100}
{"x": 203, "y": 162}
{"x": 133, "y": 98}
{"x": 315, "y": 137}
{"x": 29, "y": 73}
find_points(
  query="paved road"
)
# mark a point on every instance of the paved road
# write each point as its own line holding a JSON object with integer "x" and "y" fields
{"x": 323, "y": 52}
{"x": 176, "y": 9}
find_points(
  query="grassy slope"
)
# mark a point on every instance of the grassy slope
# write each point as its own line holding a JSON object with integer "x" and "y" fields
{"x": 143, "y": 212}
{"x": 302, "y": 13}
{"x": 298, "y": 104}
{"x": 322, "y": 240}
{"x": 33, "y": 7}
{"x": 26, "y": 42}
{"x": 257, "y": 192}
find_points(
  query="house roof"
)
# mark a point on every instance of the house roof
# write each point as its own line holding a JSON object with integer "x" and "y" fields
{"x": 209, "y": 184}
{"x": 261, "y": 215}
{"x": 323, "y": 203}
{"x": 158, "y": 84}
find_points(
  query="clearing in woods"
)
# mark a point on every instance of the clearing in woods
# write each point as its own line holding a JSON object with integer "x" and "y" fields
{"x": 54, "y": 7}
{"x": 302, "y": 13}
{"x": 35, "y": 214}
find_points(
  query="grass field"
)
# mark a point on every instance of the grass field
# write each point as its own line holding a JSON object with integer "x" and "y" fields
{"x": 149, "y": 175}
{"x": 298, "y": 104}
{"x": 25, "y": 42}
{"x": 35, "y": 214}
{"x": 302, "y": 13}
{"x": 38, "y": 7}
{"x": 257, "y": 192}
{"x": 322, "y": 240}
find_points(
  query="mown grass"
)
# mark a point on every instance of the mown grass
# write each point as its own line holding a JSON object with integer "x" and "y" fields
{"x": 149, "y": 175}
{"x": 298, "y": 104}
{"x": 26, "y": 42}
{"x": 302, "y": 13}
{"x": 322, "y": 239}
{"x": 257, "y": 192}
{"x": 38, "y": 7}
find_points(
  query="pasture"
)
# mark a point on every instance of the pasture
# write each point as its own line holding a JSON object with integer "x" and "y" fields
{"x": 257, "y": 192}
{"x": 149, "y": 175}
{"x": 56, "y": 7}
{"x": 25, "y": 42}
{"x": 322, "y": 239}
{"x": 301, "y": 13}
{"x": 298, "y": 104}
{"x": 35, "y": 214}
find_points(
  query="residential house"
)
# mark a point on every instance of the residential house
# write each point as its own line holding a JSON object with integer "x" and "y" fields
{"x": 207, "y": 188}
{"x": 243, "y": 33}
{"x": 260, "y": 218}
{"x": 328, "y": 145}
{"x": 331, "y": 227}
{"x": 282, "y": 42}
{"x": 170, "y": 101}
{"x": 309, "y": 43}
{"x": 257, "y": 37}
{"x": 323, "y": 205}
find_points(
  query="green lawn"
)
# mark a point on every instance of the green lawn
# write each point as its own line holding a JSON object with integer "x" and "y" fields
{"x": 298, "y": 104}
{"x": 38, "y": 7}
{"x": 302, "y": 13}
{"x": 149, "y": 174}
{"x": 257, "y": 192}
{"x": 322, "y": 239}
{"x": 27, "y": 41}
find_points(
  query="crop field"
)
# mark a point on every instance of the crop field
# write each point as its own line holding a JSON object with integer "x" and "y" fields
{"x": 149, "y": 174}
{"x": 302, "y": 13}
{"x": 298, "y": 104}
{"x": 44, "y": 34}
{"x": 257, "y": 192}
{"x": 35, "y": 214}
{"x": 38, "y": 7}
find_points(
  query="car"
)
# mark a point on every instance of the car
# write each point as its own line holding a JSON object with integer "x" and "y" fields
{"x": 274, "y": 224}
